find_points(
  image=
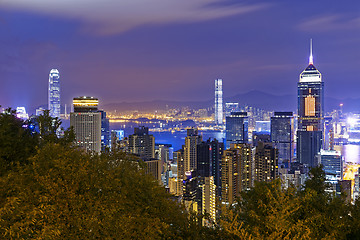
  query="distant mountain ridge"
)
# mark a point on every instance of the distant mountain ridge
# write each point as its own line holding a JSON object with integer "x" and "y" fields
{"x": 254, "y": 98}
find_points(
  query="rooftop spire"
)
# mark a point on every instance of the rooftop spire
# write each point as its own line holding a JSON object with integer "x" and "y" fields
{"x": 311, "y": 58}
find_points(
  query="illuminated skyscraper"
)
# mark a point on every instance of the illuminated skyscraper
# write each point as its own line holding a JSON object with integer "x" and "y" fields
{"x": 236, "y": 128}
{"x": 282, "y": 134}
{"x": 219, "y": 112}
{"x": 54, "y": 93}
{"x": 310, "y": 114}
{"x": 237, "y": 171}
{"x": 190, "y": 149}
{"x": 86, "y": 120}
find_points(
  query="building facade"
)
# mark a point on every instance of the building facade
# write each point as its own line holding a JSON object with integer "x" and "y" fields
{"x": 54, "y": 93}
{"x": 219, "y": 111}
{"x": 310, "y": 114}
{"x": 282, "y": 136}
{"x": 266, "y": 162}
{"x": 142, "y": 143}
{"x": 190, "y": 149}
{"x": 86, "y": 121}
{"x": 236, "y": 128}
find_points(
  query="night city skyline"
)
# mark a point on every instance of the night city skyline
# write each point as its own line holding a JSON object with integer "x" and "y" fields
{"x": 169, "y": 119}
{"x": 174, "y": 52}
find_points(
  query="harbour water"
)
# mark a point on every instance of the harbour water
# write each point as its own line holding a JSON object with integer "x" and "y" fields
{"x": 350, "y": 152}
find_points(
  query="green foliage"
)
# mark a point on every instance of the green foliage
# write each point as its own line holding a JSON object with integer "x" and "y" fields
{"x": 269, "y": 212}
{"x": 16, "y": 143}
{"x": 67, "y": 194}
{"x": 50, "y": 128}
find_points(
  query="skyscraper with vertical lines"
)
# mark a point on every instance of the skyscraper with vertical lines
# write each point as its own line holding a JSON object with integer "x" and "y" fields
{"x": 310, "y": 114}
{"x": 54, "y": 93}
{"x": 219, "y": 112}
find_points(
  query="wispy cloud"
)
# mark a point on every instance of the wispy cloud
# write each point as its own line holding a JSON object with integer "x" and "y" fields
{"x": 329, "y": 23}
{"x": 115, "y": 16}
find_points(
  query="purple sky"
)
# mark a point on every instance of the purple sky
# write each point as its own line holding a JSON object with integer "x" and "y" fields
{"x": 135, "y": 50}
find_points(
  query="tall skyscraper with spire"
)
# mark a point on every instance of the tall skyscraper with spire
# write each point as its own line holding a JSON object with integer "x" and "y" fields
{"x": 219, "y": 112}
{"x": 310, "y": 113}
{"x": 54, "y": 93}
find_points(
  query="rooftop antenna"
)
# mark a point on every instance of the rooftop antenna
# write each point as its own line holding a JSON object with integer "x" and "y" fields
{"x": 311, "y": 58}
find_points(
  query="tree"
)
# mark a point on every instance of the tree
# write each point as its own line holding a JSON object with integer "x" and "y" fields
{"x": 267, "y": 212}
{"x": 49, "y": 129}
{"x": 16, "y": 142}
{"x": 65, "y": 193}
{"x": 324, "y": 213}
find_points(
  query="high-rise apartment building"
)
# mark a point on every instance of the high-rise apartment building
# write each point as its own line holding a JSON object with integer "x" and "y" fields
{"x": 310, "y": 114}
{"x": 208, "y": 199}
{"x": 236, "y": 128}
{"x": 282, "y": 136}
{"x": 86, "y": 121}
{"x": 142, "y": 143}
{"x": 178, "y": 157}
{"x": 219, "y": 112}
{"x": 54, "y": 93}
{"x": 266, "y": 162}
{"x": 237, "y": 171}
{"x": 191, "y": 141}
{"x": 230, "y": 176}
{"x": 209, "y": 156}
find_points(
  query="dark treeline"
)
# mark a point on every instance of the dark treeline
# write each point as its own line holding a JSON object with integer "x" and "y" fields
{"x": 51, "y": 189}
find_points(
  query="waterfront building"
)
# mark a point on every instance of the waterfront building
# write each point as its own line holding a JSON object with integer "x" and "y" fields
{"x": 54, "y": 93}
{"x": 231, "y": 107}
{"x": 282, "y": 136}
{"x": 219, "y": 112}
{"x": 142, "y": 143}
{"x": 86, "y": 121}
{"x": 310, "y": 114}
{"x": 236, "y": 128}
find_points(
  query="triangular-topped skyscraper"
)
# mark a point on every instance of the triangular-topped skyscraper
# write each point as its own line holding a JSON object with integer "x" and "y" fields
{"x": 310, "y": 113}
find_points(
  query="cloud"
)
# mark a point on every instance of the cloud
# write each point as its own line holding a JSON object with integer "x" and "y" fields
{"x": 116, "y": 16}
{"x": 327, "y": 23}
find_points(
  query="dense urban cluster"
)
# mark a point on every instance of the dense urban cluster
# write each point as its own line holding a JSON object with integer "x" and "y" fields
{"x": 274, "y": 175}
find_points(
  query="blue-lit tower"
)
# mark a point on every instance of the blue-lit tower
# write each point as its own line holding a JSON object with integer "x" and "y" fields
{"x": 219, "y": 112}
{"x": 236, "y": 128}
{"x": 310, "y": 114}
{"x": 54, "y": 93}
